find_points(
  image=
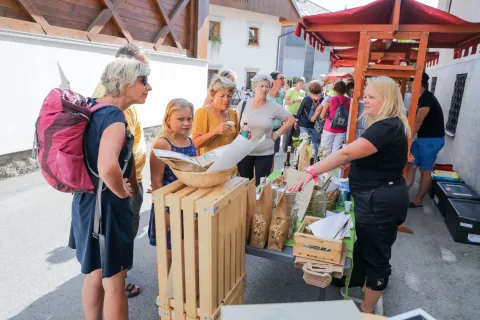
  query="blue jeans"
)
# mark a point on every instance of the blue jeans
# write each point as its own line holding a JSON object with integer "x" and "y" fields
{"x": 314, "y": 137}
{"x": 425, "y": 151}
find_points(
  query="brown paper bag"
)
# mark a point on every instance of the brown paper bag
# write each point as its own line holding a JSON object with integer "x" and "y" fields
{"x": 303, "y": 158}
{"x": 251, "y": 200}
{"x": 262, "y": 218}
{"x": 279, "y": 227}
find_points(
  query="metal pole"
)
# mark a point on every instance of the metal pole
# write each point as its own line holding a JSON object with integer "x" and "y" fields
{"x": 278, "y": 48}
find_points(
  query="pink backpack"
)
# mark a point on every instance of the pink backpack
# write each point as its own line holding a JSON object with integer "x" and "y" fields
{"x": 59, "y": 141}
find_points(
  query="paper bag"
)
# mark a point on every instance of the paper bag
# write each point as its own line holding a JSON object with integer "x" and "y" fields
{"x": 251, "y": 200}
{"x": 262, "y": 218}
{"x": 303, "y": 158}
{"x": 279, "y": 227}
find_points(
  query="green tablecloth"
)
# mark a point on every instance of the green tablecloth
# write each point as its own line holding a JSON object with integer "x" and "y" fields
{"x": 349, "y": 242}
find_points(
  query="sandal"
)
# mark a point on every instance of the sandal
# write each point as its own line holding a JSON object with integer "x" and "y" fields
{"x": 414, "y": 205}
{"x": 132, "y": 290}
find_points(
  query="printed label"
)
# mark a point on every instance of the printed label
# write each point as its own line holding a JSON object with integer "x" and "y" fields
{"x": 466, "y": 225}
{"x": 474, "y": 238}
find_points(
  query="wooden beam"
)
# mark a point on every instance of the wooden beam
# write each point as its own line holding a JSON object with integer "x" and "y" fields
{"x": 349, "y": 28}
{"x": 169, "y": 22}
{"x": 441, "y": 28}
{"x": 396, "y": 15}
{"x": 391, "y": 67}
{"x": 389, "y": 73}
{"x": 417, "y": 83}
{"x": 396, "y": 35}
{"x": 362, "y": 61}
{"x": 35, "y": 14}
{"x": 20, "y": 25}
{"x": 118, "y": 20}
{"x": 100, "y": 21}
{"x": 193, "y": 25}
{"x": 201, "y": 50}
{"x": 403, "y": 87}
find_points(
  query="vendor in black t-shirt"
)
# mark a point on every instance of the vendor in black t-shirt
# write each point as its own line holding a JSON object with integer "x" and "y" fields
{"x": 430, "y": 131}
{"x": 380, "y": 193}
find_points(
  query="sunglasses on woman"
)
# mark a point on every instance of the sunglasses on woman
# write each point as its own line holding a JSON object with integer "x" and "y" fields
{"x": 144, "y": 80}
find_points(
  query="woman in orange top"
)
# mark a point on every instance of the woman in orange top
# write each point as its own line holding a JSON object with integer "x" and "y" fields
{"x": 216, "y": 125}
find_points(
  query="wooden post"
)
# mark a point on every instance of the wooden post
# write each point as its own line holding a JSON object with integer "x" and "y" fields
{"x": 396, "y": 15}
{"x": 362, "y": 63}
{"x": 403, "y": 87}
{"x": 201, "y": 50}
{"x": 417, "y": 82}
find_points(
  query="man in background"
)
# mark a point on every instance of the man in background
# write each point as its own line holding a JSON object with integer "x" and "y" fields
{"x": 430, "y": 130}
{"x": 139, "y": 149}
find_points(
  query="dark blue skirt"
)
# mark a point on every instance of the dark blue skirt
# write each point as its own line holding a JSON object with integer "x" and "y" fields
{"x": 117, "y": 228}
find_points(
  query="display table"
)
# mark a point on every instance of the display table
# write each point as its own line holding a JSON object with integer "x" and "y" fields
{"x": 286, "y": 255}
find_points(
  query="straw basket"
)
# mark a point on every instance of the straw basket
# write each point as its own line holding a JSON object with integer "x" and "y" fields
{"x": 203, "y": 179}
{"x": 316, "y": 276}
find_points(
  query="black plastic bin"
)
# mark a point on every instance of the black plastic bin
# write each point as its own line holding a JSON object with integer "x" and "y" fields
{"x": 463, "y": 220}
{"x": 445, "y": 190}
{"x": 434, "y": 185}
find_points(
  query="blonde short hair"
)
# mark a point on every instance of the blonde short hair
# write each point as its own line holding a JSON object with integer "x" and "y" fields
{"x": 219, "y": 83}
{"x": 172, "y": 106}
{"x": 121, "y": 73}
{"x": 387, "y": 90}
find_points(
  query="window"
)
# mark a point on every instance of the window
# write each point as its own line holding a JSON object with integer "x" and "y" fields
{"x": 214, "y": 31}
{"x": 250, "y": 76}
{"x": 253, "y": 36}
{"x": 456, "y": 102}
{"x": 433, "y": 85}
{"x": 211, "y": 73}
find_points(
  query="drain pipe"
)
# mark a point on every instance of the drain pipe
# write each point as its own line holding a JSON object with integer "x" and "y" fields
{"x": 278, "y": 48}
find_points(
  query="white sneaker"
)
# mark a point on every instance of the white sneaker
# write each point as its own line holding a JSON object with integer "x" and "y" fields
{"x": 354, "y": 293}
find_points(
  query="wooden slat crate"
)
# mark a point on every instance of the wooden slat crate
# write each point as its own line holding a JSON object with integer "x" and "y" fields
{"x": 208, "y": 264}
{"x": 311, "y": 247}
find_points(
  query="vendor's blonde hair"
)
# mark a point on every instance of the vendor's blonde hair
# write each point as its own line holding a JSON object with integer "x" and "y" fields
{"x": 172, "y": 106}
{"x": 387, "y": 90}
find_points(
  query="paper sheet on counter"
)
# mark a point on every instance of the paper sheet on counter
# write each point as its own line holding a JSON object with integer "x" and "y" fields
{"x": 332, "y": 227}
{"x": 234, "y": 153}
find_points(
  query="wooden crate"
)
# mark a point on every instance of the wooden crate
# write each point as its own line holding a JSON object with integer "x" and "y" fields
{"x": 208, "y": 265}
{"x": 315, "y": 248}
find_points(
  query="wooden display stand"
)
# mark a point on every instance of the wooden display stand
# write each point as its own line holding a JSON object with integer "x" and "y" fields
{"x": 208, "y": 264}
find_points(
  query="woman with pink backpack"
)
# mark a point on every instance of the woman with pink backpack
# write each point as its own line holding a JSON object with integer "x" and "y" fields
{"x": 335, "y": 112}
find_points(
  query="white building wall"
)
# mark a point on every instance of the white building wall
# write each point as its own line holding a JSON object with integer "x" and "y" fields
{"x": 462, "y": 150}
{"x": 234, "y": 52}
{"x": 33, "y": 64}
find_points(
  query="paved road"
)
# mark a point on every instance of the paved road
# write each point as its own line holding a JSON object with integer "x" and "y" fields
{"x": 41, "y": 278}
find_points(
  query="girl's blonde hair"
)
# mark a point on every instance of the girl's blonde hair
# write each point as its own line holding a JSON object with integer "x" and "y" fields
{"x": 387, "y": 90}
{"x": 172, "y": 106}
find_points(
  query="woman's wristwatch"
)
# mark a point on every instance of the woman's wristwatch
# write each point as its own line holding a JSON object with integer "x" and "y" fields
{"x": 311, "y": 171}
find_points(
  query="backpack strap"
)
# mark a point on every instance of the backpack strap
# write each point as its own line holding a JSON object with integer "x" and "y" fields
{"x": 97, "y": 221}
{"x": 241, "y": 114}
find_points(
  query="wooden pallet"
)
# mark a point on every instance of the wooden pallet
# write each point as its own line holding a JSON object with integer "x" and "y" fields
{"x": 208, "y": 264}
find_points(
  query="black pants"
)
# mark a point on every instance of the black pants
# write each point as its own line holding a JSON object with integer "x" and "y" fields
{"x": 261, "y": 164}
{"x": 287, "y": 137}
{"x": 378, "y": 213}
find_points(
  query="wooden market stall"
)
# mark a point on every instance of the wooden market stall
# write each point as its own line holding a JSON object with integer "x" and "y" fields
{"x": 387, "y": 30}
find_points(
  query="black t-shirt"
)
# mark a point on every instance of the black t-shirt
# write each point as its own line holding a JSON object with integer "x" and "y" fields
{"x": 433, "y": 125}
{"x": 386, "y": 165}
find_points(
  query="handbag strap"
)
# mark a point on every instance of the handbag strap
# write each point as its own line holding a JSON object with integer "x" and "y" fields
{"x": 241, "y": 114}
